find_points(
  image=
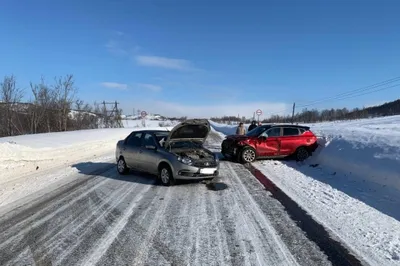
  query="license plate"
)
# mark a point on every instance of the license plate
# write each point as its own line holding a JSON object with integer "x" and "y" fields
{"x": 207, "y": 171}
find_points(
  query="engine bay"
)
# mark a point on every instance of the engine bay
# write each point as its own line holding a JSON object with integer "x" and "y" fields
{"x": 195, "y": 154}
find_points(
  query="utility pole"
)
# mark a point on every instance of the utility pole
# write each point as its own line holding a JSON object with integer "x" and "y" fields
{"x": 294, "y": 108}
{"x": 104, "y": 107}
{"x": 112, "y": 118}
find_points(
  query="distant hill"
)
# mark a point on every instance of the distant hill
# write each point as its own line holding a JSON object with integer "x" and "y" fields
{"x": 314, "y": 115}
{"x": 386, "y": 109}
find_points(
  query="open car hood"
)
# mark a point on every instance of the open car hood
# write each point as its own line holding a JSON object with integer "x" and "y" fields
{"x": 189, "y": 130}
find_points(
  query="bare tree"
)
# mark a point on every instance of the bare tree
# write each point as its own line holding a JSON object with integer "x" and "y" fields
{"x": 43, "y": 103}
{"x": 65, "y": 91}
{"x": 10, "y": 96}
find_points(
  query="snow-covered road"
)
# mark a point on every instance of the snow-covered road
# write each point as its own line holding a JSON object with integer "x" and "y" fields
{"x": 101, "y": 218}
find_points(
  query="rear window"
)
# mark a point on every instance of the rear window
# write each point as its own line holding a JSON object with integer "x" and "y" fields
{"x": 290, "y": 131}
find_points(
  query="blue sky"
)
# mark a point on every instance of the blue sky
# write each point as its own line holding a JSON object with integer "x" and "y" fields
{"x": 203, "y": 58}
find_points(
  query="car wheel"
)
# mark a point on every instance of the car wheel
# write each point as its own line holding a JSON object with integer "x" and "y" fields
{"x": 165, "y": 176}
{"x": 121, "y": 166}
{"x": 302, "y": 154}
{"x": 248, "y": 155}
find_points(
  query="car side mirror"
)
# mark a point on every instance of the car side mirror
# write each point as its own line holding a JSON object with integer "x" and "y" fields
{"x": 151, "y": 147}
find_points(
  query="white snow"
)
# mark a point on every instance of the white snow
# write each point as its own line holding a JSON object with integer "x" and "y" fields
{"x": 351, "y": 184}
{"x": 29, "y": 163}
{"x": 148, "y": 123}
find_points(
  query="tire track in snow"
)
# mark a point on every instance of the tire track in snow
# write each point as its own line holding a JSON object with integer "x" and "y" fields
{"x": 154, "y": 225}
{"x": 31, "y": 214}
{"x": 58, "y": 239}
{"x": 64, "y": 210}
{"x": 80, "y": 233}
{"x": 24, "y": 230}
{"x": 258, "y": 224}
{"x": 299, "y": 244}
{"x": 112, "y": 233}
{"x": 217, "y": 244}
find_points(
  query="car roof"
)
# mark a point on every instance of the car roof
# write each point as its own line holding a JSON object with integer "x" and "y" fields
{"x": 291, "y": 125}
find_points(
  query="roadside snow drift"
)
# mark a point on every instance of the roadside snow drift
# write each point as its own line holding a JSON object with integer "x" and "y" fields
{"x": 368, "y": 149}
{"x": 351, "y": 184}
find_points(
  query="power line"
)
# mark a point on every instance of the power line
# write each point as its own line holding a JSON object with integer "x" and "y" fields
{"x": 352, "y": 92}
{"x": 352, "y": 95}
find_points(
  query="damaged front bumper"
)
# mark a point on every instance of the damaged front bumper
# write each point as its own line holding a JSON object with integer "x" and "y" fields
{"x": 191, "y": 172}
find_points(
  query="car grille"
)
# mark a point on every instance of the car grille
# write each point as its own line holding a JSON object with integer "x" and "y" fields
{"x": 205, "y": 164}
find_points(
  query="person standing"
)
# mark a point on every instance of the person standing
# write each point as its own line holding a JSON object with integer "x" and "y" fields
{"x": 253, "y": 125}
{"x": 240, "y": 130}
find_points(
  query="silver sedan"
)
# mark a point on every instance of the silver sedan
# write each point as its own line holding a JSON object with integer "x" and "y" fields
{"x": 171, "y": 155}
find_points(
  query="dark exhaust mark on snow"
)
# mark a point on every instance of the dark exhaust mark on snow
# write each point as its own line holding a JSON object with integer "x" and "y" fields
{"x": 335, "y": 251}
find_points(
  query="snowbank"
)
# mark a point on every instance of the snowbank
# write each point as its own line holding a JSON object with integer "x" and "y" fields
{"x": 334, "y": 202}
{"x": 225, "y": 129}
{"x": 368, "y": 149}
{"x": 129, "y": 123}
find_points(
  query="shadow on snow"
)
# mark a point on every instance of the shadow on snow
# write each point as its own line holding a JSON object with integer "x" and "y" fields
{"x": 104, "y": 169}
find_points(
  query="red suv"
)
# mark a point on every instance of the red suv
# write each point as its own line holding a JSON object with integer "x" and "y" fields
{"x": 271, "y": 141}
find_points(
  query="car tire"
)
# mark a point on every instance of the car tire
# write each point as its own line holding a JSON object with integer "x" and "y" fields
{"x": 247, "y": 155}
{"x": 121, "y": 166}
{"x": 302, "y": 154}
{"x": 165, "y": 176}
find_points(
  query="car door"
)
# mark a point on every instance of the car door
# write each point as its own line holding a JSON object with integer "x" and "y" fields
{"x": 131, "y": 149}
{"x": 268, "y": 143}
{"x": 289, "y": 140}
{"x": 148, "y": 158}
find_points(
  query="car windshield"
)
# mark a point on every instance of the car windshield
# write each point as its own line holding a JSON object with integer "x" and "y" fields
{"x": 161, "y": 135}
{"x": 257, "y": 131}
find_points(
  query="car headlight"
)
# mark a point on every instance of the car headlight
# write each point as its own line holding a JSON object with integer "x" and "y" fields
{"x": 185, "y": 160}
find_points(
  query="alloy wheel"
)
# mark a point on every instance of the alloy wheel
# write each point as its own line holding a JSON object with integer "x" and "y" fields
{"x": 165, "y": 176}
{"x": 249, "y": 155}
{"x": 121, "y": 166}
{"x": 302, "y": 154}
